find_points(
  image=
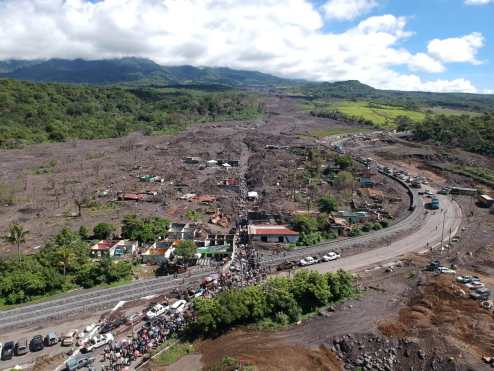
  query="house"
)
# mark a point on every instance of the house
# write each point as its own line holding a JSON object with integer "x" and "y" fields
{"x": 485, "y": 201}
{"x": 272, "y": 233}
{"x": 192, "y": 160}
{"x": 373, "y": 194}
{"x": 103, "y": 248}
{"x": 252, "y": 196}
{"x": 156, "y": 255}
{"x": 132, "y": 197}
{"x": 353, "y": 217}
{"x": 340, "y": 225}
{"x": 366, "y": 182}
{"x": 113, "y": 248}
{"x": 204, "y": 199}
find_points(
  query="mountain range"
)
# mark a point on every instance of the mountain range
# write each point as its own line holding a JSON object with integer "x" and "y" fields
{"x": 144, "y": 72}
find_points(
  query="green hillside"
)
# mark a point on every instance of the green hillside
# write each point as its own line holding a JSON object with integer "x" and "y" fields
{"x": 35, "y": 112}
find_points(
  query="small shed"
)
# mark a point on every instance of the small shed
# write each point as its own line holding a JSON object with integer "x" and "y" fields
{"x": 485, "y": 201}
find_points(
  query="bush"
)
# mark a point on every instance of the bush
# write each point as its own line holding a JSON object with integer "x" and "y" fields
{"x": 384, "y": 223}
{"x": 377, "y": 226}
{"x": 103, "y": 231}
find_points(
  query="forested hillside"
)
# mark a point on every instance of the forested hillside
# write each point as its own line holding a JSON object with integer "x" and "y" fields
{"x": 33, "y": 113}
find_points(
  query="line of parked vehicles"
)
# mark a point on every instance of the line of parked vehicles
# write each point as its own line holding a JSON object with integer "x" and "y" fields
{"x": 311, "y": 260}
{"x": 9, "y": 349}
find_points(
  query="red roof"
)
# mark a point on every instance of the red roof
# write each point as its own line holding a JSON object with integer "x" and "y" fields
{"x": 103, "y": 245}
{"x": 271, "y": 230}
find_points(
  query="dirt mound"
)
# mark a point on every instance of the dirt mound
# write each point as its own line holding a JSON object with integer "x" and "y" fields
{"x": 442, "y": 306}
{"x": 392, "y": 328}
{"x": 265, "y": 352}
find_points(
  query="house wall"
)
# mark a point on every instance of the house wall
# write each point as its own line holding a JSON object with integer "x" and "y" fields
{"x": 275, "y": 238}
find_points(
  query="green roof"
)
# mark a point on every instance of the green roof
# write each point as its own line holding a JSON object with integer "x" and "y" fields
{"x": 217, "y": 249}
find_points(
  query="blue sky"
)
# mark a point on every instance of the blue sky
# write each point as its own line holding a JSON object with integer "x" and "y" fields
{"x": 429, "y": 45}
{"x": 430, "y": 19}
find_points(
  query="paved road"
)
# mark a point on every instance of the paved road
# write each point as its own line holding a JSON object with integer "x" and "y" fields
{"x": 94, "y": 300}
{"x": 428, "y": 235}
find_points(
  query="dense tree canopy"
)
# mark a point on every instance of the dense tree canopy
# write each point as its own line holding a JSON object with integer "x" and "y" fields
{"x": 472, "y": 133}
{"x": 34, "y": 112}
{"x": 280, "y": 299}
{"x": 63, "y": 264}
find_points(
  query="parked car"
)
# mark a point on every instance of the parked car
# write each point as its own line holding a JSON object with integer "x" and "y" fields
{"x": 69, "y": 338}
{"x": 285, "y": 266}
{"x": 7, "y": 350}
{"x": 433, "y": 265}
{"x": 36, "y": 343}
{"x": 306, "y": 261}
{"x": 133, "y": 318}
{"x": 156, "y": 311}
{"x": 51, "y": 339}
{"x": 97, "y": 342}
{"x": 178, "y": 306}
{"x": 21, "y": 347}
{"x": 330, "y": 256}
{"x": 106, "y": 327}
{"x": 474, "y": 284}
{"x": 464, "y": 279}
{"x": 316, "y": 259}
{"x": 445, "y": 270}
{"x": 77, "y": 363}
{"x": 482, "y": 293}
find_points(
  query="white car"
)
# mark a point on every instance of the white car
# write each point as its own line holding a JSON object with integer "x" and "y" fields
{"x": 330, "y": 256}
{"x": 98, "y": 341}
{"x": 446, "y": 270}
{"x": 306, "y": 261}
{"x": 473, "y": 285}
{"x": 178, "y": 306}
{"x": 156, "y": 311}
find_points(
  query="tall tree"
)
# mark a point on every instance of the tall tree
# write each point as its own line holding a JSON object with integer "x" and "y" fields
{"x": 16, "y": 236}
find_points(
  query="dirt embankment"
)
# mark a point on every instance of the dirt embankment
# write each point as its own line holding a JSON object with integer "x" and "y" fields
{"x": 265, "y": 352}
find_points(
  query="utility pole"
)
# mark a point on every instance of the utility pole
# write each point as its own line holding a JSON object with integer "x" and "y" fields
{"x": 442, "y": 232}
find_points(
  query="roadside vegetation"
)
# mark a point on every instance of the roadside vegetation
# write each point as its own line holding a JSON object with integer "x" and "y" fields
{"x": 173, "y": 354}
{"x": 472, "y": 133}
{"x": 279, "y": 300}
{"x": 35, "y": 113}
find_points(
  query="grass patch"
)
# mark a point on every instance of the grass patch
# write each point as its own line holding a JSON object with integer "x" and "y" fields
{"x": 173, "y": 354}
{"x": 381, "y": 115}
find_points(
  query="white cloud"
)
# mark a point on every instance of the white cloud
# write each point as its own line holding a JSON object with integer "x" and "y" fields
{"x": 347, "y": 9}
{"x": 478, "y": 2}
{"x": 424, "y": 62}
{"x": 283, "y": 38}
{"x": 457, "y": 49}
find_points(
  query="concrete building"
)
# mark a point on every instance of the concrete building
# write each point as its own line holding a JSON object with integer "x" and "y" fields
{"x": 272, "y": 233}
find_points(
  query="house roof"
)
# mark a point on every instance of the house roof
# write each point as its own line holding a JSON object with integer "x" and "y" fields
{"x": 103, "y": 245}
{"x": 271, "y": 230}
{"x": 157, "y": 251}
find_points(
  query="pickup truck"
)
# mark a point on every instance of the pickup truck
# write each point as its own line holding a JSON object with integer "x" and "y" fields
{"x": 156, "y": 311}
{"x": 97, "y": 342}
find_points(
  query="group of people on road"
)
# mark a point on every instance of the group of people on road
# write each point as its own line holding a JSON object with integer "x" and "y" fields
{"x": 122, "y": 355}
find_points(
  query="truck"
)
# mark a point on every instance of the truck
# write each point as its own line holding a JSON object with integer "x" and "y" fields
{"x": 434, "y": 204}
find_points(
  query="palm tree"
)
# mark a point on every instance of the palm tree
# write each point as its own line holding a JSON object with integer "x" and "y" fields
{"x": 16, "y": 236}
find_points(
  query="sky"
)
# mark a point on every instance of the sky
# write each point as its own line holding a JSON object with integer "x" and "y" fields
{"x": 428, "y": 45}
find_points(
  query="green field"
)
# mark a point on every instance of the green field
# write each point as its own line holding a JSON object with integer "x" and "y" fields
{"x": 381, "y": 115}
